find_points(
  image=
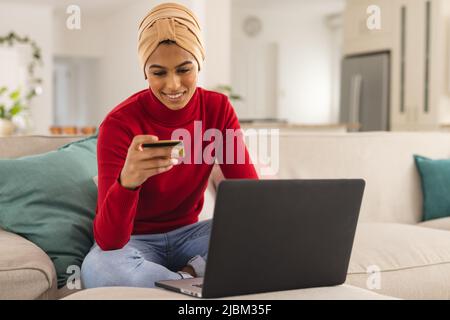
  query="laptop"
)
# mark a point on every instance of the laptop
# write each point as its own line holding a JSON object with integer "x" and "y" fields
{"x": 273, "y": 235}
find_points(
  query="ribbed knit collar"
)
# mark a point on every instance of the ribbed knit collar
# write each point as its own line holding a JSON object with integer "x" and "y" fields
{"x": 168, "y": 117}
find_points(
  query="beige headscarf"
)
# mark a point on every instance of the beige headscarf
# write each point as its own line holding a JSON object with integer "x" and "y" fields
{"x": 170, "y": 21}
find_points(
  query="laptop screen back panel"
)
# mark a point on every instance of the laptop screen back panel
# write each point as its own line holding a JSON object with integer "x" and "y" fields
{"x": 272, "y": 235}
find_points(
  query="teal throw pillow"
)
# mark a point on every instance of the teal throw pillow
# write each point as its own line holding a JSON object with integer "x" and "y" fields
{"x": 50, "y": 199}
{"x": 435, "y": 178}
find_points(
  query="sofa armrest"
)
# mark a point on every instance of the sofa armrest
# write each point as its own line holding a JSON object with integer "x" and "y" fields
{"x": 26, "y": 272}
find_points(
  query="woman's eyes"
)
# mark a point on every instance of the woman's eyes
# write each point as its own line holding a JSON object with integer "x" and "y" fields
{"x": 158, "y": 74}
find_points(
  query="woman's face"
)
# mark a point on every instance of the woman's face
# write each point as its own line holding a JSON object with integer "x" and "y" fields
{"x": 172, "y": 74}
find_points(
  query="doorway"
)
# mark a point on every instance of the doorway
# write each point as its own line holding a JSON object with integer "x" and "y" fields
{"x": 75, "y": 94}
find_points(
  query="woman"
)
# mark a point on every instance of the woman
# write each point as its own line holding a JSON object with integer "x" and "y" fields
{"x": 146, "y": 227}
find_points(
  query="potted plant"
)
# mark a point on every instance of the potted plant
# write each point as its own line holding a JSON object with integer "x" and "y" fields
{"x": 228, "y": 91}
{"x": 11, "y": 106}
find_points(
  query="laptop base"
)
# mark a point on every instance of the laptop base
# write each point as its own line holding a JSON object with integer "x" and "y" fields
{"x": 190, "y": 287}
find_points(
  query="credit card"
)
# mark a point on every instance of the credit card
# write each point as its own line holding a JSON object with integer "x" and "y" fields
{"x": 161, "y": 143}
{"x": 178, "y": 150}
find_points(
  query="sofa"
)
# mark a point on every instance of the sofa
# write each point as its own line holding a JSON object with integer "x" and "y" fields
{"x": 395, "y": 254}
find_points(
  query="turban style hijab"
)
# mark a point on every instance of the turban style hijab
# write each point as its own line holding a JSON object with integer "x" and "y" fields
{"x": 170, "y": 21}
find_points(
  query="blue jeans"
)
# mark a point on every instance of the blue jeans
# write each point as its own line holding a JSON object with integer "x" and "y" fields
{"x": 146, "y": 258}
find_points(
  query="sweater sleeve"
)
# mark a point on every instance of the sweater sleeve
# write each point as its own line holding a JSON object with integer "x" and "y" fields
{"x": 116, "y": 205}
{"x": 238, "y": 164}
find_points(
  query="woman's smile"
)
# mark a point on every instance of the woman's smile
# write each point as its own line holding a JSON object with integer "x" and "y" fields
{"x": 176, "y": 97}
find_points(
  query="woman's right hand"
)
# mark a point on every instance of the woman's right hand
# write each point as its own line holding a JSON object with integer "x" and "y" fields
{"x": 143, "y": 163}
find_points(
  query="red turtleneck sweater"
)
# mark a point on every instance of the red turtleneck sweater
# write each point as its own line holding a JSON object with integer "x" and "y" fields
{"x": 169, "y": 200}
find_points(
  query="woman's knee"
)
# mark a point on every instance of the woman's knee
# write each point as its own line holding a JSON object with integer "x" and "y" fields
{"x": 105, "y": 268}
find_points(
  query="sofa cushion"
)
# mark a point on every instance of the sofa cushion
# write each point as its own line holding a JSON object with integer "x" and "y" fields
{"x": 410, "y": 262}
{"x": 50, "y": 200}
{"x": 442, "y": 223}
{"x": 26, "y": 272}
{"x": 435, "y": 178}
{"x": 343, "y": 292}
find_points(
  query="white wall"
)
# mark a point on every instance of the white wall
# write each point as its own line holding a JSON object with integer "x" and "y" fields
{"x": 85, "y": 42}
{"x": 120, "y": 72}
{"x": 35, "y": 22}
{"x": 305, "y": 53}
{"x": 217, "y": 29}
{"x": 13, "y": 69}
